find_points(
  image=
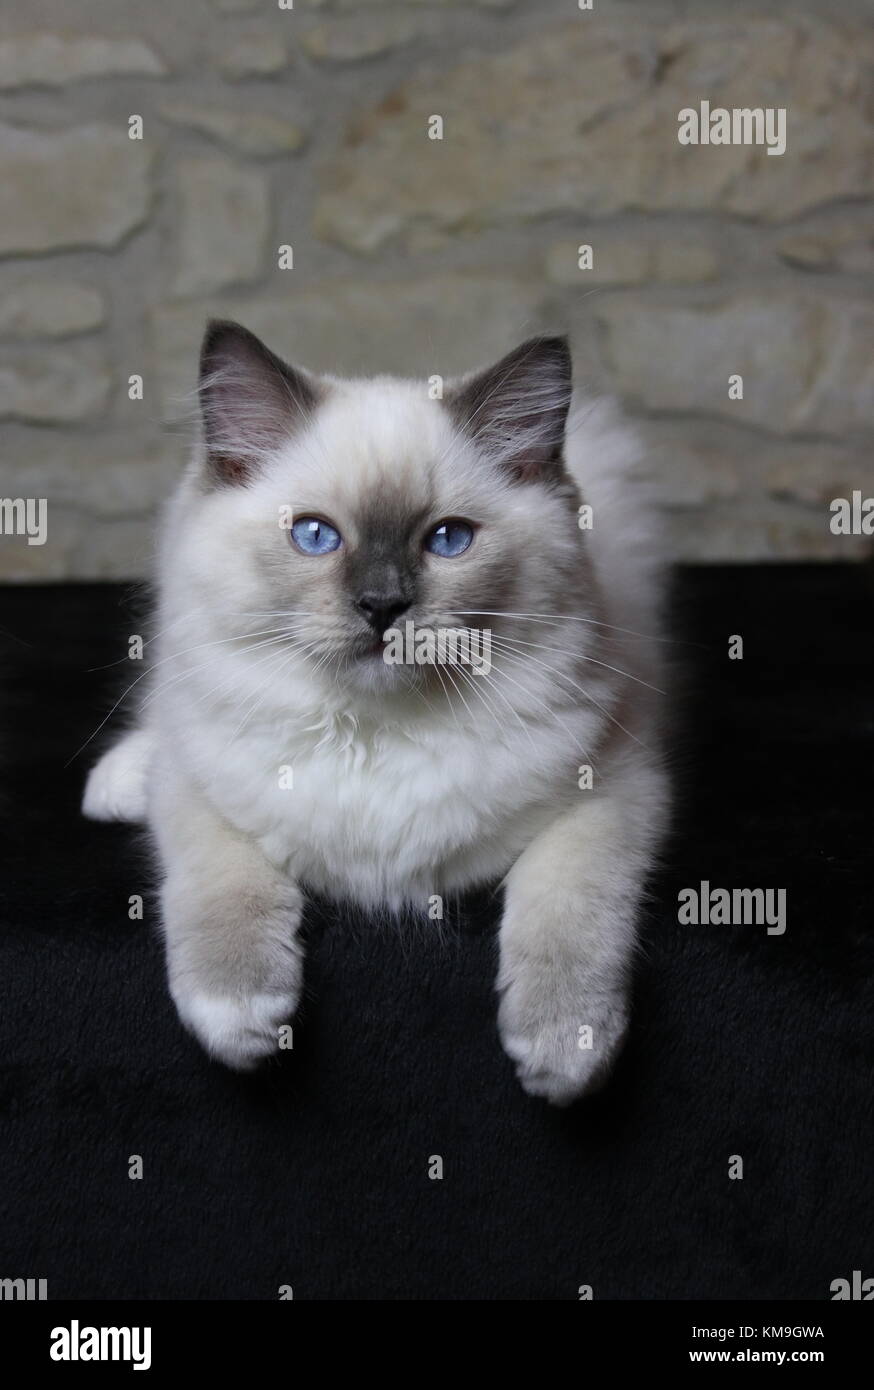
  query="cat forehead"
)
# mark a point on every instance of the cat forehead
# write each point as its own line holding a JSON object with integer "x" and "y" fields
{"x": 375, "y": 437}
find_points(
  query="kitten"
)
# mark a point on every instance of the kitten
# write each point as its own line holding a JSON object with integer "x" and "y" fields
{"x": 277, "y": 751}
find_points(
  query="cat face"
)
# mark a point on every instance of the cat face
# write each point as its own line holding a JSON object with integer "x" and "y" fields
{"x": 345, "y": 510}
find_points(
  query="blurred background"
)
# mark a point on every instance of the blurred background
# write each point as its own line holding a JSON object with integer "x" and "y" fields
{"x": 286, "y": 176}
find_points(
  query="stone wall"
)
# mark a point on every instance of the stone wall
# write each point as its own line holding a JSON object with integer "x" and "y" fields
{"x": 308, "y": 128}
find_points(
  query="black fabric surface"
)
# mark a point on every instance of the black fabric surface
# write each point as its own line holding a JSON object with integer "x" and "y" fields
{"x": 314, "y": 1173}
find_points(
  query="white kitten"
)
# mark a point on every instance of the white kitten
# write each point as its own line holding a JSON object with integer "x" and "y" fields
{"x": 278, "y": 751}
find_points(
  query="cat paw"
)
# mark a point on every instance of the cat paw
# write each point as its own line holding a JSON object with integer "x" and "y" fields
{"x": 240, "y": 1031}
{"x": 562, "y": 1053}
{"x": 116, "y": 785}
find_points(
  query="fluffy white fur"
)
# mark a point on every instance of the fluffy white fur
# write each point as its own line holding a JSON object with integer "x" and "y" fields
{"x": 405, "y": 783}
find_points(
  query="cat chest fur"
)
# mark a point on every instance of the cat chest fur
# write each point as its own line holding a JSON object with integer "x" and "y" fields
{"x": 388, "y": 819}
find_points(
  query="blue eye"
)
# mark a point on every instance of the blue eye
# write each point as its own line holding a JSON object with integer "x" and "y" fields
{"x": 315, "y": 537}
{"x": 450, "y": 538}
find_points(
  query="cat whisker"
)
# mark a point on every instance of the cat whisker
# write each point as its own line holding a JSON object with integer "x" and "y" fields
{"x": 174, "y": 656}
{"x": 147, "y": 641}
{"x": 285, "y": 645}
{"x": 276, "y": 667}
{"x": 276, "y": 635}
{"x": 477, "y": 682}
{"x": 551, "y": 713}
{"x": 448, "y": 669}
{"x": 449, "y": 701}
{"x": 523, "y": 659}
{"x": 580, "y": 656}
{"x": 192, "y": 614}
{"x": 556, "y": 619}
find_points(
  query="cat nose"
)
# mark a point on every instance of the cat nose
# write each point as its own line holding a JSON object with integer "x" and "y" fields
{"x": 381, "y": 610}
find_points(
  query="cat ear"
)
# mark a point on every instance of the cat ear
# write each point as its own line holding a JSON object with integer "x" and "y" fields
{"x": 516, "y": 410}
{"x": 250, "y": 399}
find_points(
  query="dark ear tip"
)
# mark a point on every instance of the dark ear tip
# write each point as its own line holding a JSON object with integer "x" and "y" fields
{"x": 556, "y": 346}
{"x": 218, "y": 333}
{"x": 548, "y": 352}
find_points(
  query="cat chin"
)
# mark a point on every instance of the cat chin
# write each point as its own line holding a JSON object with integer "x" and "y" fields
{"x": 372, "y": 675}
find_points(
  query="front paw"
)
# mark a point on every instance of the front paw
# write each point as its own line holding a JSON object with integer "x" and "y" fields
{"x": 563, "y": 1031}
{"x": 238, "y": 1030}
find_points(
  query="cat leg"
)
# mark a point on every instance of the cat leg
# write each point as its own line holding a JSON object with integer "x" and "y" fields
{"x": 568, "y": 933}
{"x": 231, "y": 921}
{"x": 116, "y": 785}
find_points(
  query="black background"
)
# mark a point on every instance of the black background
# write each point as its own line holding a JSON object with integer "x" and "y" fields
{"x": 314, "y": 1173}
